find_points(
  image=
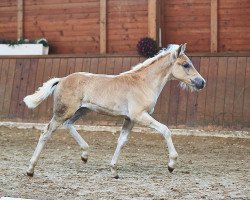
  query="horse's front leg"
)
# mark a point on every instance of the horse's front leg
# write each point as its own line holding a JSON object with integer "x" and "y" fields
{"x": 126, "y": 128}
{"x": 147, "y": 120}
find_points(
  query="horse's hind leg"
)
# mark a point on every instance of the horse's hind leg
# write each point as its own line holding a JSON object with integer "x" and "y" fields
{"x": 126, "y": 128}
{"x": 69, "y": 124}
{"x": 50, "y": 128}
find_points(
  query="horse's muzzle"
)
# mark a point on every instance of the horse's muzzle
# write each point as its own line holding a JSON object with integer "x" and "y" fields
{"x": 199, "y": 83}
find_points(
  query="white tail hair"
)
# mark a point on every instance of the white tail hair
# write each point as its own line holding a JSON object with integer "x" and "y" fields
{"x": 42, "y": 93}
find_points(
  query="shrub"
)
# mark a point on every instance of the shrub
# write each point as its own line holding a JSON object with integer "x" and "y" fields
{"x": 147, "y": 47}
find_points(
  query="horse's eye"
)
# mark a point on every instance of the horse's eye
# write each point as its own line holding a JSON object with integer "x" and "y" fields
{"x": 186, "y": 65}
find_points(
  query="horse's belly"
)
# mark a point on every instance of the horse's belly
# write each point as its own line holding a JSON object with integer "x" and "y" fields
{"x": 111, "y": 110}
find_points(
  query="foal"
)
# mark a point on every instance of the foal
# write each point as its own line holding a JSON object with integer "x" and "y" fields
{"x": 132, "y": 94}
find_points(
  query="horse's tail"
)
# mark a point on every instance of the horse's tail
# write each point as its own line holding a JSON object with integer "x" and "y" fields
{"x": 42, "y": 93}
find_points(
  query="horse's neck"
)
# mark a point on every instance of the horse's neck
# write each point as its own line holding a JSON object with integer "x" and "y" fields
{"x": 157, "y": 74}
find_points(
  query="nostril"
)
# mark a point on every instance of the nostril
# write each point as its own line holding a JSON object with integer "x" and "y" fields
{"x": 202, "y": 83}
{"x": 199, "y": 83}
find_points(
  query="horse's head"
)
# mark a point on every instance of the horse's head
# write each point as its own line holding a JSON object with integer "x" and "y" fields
{"x": 184, "y": 71}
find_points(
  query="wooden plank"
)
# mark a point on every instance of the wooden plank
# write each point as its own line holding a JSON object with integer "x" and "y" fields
{"x": 84, "y": 38}
{"x": 182, "y": 108}
{"x": 78, "y": 67}
{"x": 54, "y": 73}
{"x": 55, "y": 67}
{"x": 121, "y": 4}
{"x": 214, "y": 25}
{"x": 220, "y": 91}
{"x": 102, "y": 66}
{"x": 43, "y": 111}
{"x": 8, "y": 88}
{"x": 211, "y": 89}
{"x": 61, "y": 17}
{"x": 202, "y": 11}
{"x": 239, "y": 91}
{"x": 118, "y": 65}
{"x": 131, "y": 34}
{"x": 16, "y": 87}
{"x": 71, "y": 66}
{"x": 246, "y": 104}
{"x": 157, "y": 109}
{"x": 110, "y": 65}
{"x": 48, "y": 114}
{"x": 94, "y": 65}
{"x": 103, "y": 26}
{"x": 165, "y": 103}
{"x": 126, "y": 64}
{"x": 152, "y": 19}
{"x": 1, "y": 61}
{"x": 173, "y": 103}
{"x": 86, "y": 65}
{"x": 192, "y": 98}
{"x": 23, "y": 87}
{"x": 229, "y": 93}
{"x": 63, "y": 67}
{"x": 19, "y": 19}
{"x": 202, "y": 95}
{"x": 134, "y": 61}
{"x": 80, "y": 47}
{"x": 125, "y": 48}
{"x": 3, "y": 79}
{"x": 39, "y": 83}
{"x": 127, "y": 26}
{"x": 27, "y": 113}
{"x": 142, "y": 59}
{"x": 45, "y": 2}
{"x": 88, "y": 6}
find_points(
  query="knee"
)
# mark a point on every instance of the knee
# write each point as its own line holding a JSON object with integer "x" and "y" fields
{"x": 165, "y": 131}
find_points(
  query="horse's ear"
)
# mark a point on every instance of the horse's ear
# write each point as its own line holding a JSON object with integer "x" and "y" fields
{"x": 180, "y": 51}
{"x": 184, "y": 47}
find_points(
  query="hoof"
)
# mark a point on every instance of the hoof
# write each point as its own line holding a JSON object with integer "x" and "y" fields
{"x": 116, "y": 177}
{"x": 84, "y": 159}
{"x": 170, "y": 169}
{"x": 114, "y": 172}
{"x": 30, "y": 174}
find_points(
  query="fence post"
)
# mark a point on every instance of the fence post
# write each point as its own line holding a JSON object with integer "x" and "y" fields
{"x": 214, "y": 26}
{"x": 103, "y": 26}
{"x": 19, "y": 19}
{"x": 152, "y": 19}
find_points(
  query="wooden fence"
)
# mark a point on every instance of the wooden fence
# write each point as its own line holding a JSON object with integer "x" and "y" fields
{"x": 224, "y": 102}
{"x": 115, "y": 26}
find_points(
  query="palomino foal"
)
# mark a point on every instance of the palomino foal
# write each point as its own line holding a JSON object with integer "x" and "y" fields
{"x": 132, "y": 94}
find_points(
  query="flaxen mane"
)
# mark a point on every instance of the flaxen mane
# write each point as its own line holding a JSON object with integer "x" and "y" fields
{"x": 162, "y": 53}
